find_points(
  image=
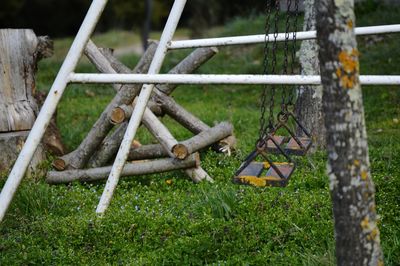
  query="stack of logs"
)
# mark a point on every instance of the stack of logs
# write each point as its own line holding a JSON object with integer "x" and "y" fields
{"x": 89, "y": 162}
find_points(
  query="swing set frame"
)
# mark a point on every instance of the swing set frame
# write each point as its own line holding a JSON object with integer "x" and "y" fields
{"x": 66, "y": 75}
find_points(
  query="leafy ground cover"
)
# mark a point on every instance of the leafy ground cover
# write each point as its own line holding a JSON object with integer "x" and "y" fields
{"x": 153, "y": 222}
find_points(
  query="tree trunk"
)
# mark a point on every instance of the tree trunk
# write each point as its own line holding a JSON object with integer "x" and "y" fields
{"x": 20, "y": 50}
{"x": 17, "y": 79}
{"x": 309, "y": 102}
{"x": 352, "y": 189}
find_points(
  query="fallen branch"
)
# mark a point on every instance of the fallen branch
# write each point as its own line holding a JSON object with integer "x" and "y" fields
{"x": 130, "y": 169}
{"x": 202, "y": 140}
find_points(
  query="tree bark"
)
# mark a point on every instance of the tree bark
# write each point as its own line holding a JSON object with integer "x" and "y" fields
{"x": 20, "y": 50}
{"x": 309, "y": 103}
{"x": 79, "y": 157}
{"x": 130, "y": 169}
{"x": 352, "y": 189}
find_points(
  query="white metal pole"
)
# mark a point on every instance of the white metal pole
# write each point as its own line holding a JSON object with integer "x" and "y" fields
{"x": 222, "y": 79}
{"x": 49, "y": 106}
{"x": 260, "y": 38}
{"x": 140, "y": 106}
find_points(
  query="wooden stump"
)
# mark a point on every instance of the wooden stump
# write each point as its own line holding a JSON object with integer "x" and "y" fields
{"x": 20, "y": 50}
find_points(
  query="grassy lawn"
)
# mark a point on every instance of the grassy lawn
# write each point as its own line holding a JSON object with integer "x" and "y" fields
{"x": 152, "y": 222}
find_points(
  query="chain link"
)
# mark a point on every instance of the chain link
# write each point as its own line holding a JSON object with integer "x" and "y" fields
{"x": 265, "y": 70}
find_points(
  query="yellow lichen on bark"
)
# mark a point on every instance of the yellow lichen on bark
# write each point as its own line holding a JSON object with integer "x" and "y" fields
{"x": 364, "y": 175}
{"x": 350, "y": 23}
{"x": 365, "y": 223}
{"x": 348, "y": 68}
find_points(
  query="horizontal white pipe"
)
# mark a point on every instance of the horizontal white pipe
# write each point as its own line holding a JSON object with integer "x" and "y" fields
{"x": 261, "y": 38}
{"x": 220, "y": 79}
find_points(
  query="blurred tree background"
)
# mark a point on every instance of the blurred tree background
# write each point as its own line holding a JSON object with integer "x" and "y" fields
{"x": 59, "y": 18}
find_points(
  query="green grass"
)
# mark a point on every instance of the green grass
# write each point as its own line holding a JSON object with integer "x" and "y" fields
{"x": 151, "y": 222}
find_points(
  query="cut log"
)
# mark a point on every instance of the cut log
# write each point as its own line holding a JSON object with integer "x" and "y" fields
{"x": 202, "y": 140}
{"x": 180, "y": 114}
{"x": 190, "y": 63}
{"x": 122, "y": 113}
{"x": 146, "y": 152}
{"x": 130, "y": 169}
{"x": 79, "y": 157}
{"x": 198, "y": 174}
{"x": 109, "y": 147}
{"x": 159, "y": 131}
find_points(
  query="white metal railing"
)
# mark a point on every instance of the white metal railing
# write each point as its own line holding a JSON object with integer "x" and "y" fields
{"x": 220, "y": 79}
{"x": 261, "y": 38}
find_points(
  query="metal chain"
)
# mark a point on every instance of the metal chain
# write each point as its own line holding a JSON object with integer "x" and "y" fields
{"x": 271, "y": 122}
{"x": 293, "y": 55}
{"x": 265, "y": 71}
{"x": 286, "y": 54}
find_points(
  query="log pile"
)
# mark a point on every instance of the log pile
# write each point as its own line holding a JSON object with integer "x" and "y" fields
{"x": 91, "y": 160}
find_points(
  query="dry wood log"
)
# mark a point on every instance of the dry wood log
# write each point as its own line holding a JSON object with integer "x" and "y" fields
{"x": 202, "y": 140}
{"x": 180, "y": 114}
{"x": 145, "y": 152}
{"x": 188, "y": 65}
{"x": 123, "y": 112}
{"x": 198, "y": 174}
{"x": 108, "y": 149}
{"x": 20, "y": 51}
{"x": 79, "y": 157}
{"x": 130, "y": 169}
{"x": 160, "y": 132}
{"x": 192, "y": 62}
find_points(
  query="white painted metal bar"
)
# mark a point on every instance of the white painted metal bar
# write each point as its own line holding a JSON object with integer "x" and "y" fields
{"x": 49, "y": 106}
{"x": 260, "y": 38}
{"x": 221, "y": 79}
{"x": 140, "y": 106}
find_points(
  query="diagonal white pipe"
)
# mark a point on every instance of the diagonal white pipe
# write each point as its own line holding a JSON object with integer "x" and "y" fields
{"x": 140, "y": 106}
{"x": 50, "y": 105}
